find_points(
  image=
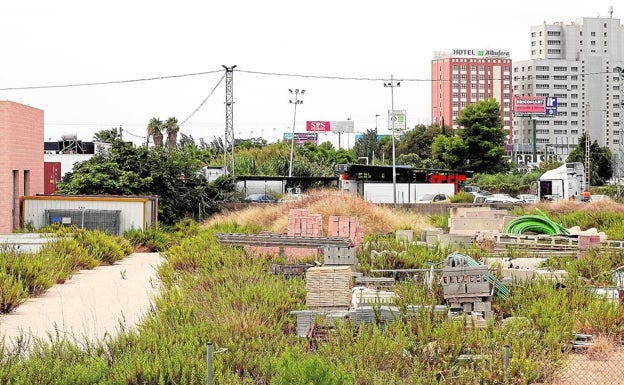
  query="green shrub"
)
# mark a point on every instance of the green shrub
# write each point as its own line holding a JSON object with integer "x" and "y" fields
{"x": 12, "y": 292}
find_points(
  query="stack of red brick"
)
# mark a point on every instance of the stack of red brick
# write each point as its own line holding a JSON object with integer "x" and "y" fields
{"x": 302, "y": 223}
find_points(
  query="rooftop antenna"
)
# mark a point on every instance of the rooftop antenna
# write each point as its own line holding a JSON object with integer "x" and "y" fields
{"x": 610, "y": 12}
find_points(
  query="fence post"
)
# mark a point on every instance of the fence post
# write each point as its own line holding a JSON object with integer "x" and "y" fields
{"x": 209, "y": 362}
{"x": 506, "y": 363}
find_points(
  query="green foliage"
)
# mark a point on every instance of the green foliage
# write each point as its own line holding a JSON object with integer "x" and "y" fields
{"x": 600, "y": 163}
{"x": 479, "y": 144}
{"x": 462, "y": 197}
{"x": 298, "y": 368}
{"x": 151, "y": 239}
{"x": 223, "y": 295}
{"x": 173, "y": 174}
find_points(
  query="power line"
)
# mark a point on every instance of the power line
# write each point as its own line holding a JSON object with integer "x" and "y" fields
{"x": 106, "y": 82}
{"x": 326, "y": 77}
{"x": 204, "y": 101}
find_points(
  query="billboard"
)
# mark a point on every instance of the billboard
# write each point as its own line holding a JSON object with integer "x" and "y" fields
{"x": 318, "y": 126}
{"x": 529, "y": 105}
{"x": 333, "y": 126}
{"x": 301, "y": 137}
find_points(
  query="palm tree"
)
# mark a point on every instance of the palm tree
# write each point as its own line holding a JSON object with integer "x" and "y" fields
{"x": 172, "y": 128}
{"x": 155, "y": 130}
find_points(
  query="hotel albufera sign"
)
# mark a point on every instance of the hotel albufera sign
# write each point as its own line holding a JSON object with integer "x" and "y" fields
{"x": 480, "y": 53}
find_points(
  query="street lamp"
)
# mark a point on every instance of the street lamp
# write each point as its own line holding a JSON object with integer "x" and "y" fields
{"x": 296, "y": 92}
{"x": 392, "y": 84}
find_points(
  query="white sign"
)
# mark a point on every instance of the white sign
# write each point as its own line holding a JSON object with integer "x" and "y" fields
{"x": 342, "y": 126}
{"x": 396, "y": 120}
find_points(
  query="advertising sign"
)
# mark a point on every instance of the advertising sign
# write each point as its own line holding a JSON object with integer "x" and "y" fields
{"x": 342, "y": 126}
{"x": 317, "y": 126}
{"x": 551, "y": 105}
{"x": 301, "y": 137}
{"x": 530, "y": 105}
{"x": 333, "y": 126}
{"x": 396, "y": 120}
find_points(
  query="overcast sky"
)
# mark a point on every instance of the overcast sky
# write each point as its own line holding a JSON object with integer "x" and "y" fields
{"x": 339, "y": 51}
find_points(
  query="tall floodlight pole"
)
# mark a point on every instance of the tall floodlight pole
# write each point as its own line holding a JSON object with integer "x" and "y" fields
{"x": 619, "y": 157}
{"x": 392, "y": 117}
{"x": 297, "y": 101}
{"x": 228, "y": 142}
{"x": 587, "y": 148}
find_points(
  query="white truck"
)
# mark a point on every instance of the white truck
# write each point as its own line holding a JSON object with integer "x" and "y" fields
{"x": 564, "y": 182}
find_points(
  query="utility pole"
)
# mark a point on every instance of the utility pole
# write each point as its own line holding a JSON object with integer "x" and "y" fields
{"x": 228, "y": 142}
{"x": 297, "y": 101}
{"x": 392, "y": 117}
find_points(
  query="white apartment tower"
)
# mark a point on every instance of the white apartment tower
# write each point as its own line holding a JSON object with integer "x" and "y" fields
{"x": 580, "y": 63}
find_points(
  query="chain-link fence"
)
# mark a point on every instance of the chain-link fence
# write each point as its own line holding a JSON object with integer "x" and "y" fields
{"x": 596, "y": 365}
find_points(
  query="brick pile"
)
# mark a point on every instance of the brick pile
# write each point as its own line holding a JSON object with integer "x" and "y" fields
{"x": 302, "y": 223}
{"x": 348, "y": 227}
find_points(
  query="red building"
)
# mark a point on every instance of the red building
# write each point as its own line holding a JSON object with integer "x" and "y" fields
{"x": 466, "y": 76}
{"x": 21, "y": 159}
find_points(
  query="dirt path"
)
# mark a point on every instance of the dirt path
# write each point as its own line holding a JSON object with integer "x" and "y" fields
{"x": 90, "y": 305}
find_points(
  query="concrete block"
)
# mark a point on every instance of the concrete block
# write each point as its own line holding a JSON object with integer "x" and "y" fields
{"x": 457, "y": 212}
{"x": 482, "y": 306}
{"x": 472, "y": 225}
{"x": 404, "y": 235}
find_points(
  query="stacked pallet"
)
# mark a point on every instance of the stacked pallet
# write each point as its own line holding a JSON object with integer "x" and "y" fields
{"x": 328, "y": 287}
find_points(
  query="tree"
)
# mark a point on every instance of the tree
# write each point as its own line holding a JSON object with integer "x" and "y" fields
{"x": 174, "y": 175}
{"x": 601, "y": 168}
{"x": 418, "y": 141}
{"x": 479, "y": 144}
{"x": 155, "y": 130}
{"x": 367, "y": 146}
{"x": 107, "y": 136}
{"x": 172, "y": 128}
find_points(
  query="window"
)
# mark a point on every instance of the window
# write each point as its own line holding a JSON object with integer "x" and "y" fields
{"x": 542, "y": 68}
{"x": 542, "y": 77}
{"x": 560, "y": 68}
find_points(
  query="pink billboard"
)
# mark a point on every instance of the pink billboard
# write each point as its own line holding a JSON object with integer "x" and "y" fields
{"x": 317, "y": 126}
{"x": 529, "y": 105}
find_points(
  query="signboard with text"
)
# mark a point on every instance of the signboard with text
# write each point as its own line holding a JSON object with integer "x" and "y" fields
{"x": 551, "y": 105}
{"x": 301, "y": 137}
{"x": 333, "y": 126}
{"x": 396, "y": 120}
{"x": 529, "y": 105}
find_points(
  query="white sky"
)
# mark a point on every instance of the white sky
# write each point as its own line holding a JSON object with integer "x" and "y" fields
{"x": 66, "y": 42}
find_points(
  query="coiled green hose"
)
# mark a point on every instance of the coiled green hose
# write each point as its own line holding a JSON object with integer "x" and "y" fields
{"x": 538, "y": 224}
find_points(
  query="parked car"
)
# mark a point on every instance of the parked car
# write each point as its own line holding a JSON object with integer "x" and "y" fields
{"x": 529, "y": 198}
{"x": 260, "y": 198}
{"x": 433, "y": 198}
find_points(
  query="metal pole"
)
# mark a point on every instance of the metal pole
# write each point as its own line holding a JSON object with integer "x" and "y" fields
{"x": 292, "y": 142}
{"x": 393, "y": 117}
{"x": 209, "y": 362}
{"x": 506, "y": 363}
{"x": 534, "y": 141}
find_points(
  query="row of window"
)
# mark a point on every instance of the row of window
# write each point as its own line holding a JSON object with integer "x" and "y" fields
{"x": 558, "y": 33}
{"x": 464, "y": 68}
{"x": 547, "y": 68}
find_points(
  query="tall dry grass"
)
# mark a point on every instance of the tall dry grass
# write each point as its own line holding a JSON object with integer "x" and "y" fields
{"x": 373, "y": 218}
{"x": 565, "y": 207}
